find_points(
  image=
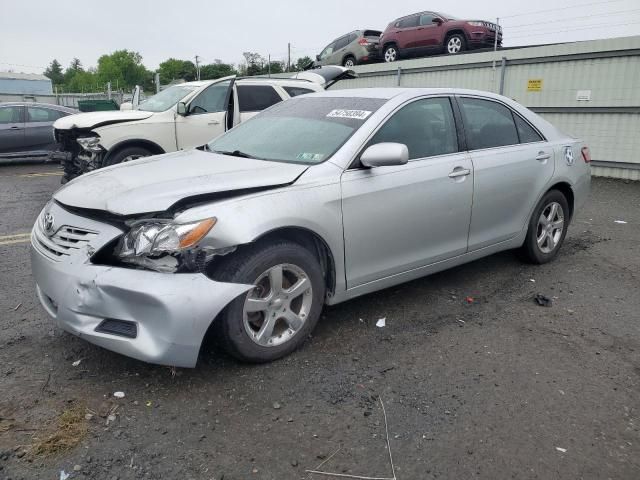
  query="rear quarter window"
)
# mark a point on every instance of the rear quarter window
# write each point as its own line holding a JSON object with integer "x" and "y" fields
{"x": 295, "y": 91}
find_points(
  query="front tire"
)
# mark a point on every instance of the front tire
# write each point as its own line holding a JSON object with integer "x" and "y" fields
{"x": 279, "y": 313}
{"x": 126, "y": 154}
{"x": 391, "y": 53}
{"x": 455, "y": 44}
{"x": 547, "y": 228}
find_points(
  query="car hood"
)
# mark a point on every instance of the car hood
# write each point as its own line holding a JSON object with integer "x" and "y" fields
{"x": 155, "y": 184}
{"x": 98, "y": 119}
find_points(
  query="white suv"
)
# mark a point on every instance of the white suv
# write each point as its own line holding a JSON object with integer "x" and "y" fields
{"x": 180, "y": 117}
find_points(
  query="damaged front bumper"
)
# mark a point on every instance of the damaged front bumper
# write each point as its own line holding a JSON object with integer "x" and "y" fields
{"x": 155, "y": 317}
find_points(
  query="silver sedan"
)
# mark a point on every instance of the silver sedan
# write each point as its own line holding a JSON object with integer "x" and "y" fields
{"x": 315, "y": 201}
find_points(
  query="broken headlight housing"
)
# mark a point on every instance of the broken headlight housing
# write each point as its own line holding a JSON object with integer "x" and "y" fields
{"x": 159, "y": 244}
{"x": 90, "y": 144}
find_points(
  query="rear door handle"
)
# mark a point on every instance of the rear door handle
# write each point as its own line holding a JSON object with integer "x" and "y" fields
{"x": 459, "y": 172}
{"x": 14, "y": 128}
{"x": 214, "y": 122}
{"x": 543, "y": 156}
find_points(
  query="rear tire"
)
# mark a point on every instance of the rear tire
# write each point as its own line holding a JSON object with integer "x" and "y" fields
{"x": 547, "y": 228}
{"x": 126, "y": 154}
{"x": 275, "y": 317}
{"x": 349, "y": 62}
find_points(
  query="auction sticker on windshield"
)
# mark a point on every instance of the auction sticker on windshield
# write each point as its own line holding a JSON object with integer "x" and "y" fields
{"x": 357, "y": 114}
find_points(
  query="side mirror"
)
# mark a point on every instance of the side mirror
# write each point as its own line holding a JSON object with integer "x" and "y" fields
{"x": 385, "y": 155}
{"x": 181, "y": 108}
{"x": 437, "y": 20}
{"x": 126, "y": 106}
{"x": 318, "y": 57}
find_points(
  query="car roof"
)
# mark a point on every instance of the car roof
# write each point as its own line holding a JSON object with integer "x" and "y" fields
{"x": 272, "y": 81}
{"x": 38, "y": 104}
{"x": 390, "y": 92}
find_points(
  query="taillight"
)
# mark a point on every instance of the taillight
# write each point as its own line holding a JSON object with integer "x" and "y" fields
{"x": 586, "y": 155}
{"x": 363, "y": 41}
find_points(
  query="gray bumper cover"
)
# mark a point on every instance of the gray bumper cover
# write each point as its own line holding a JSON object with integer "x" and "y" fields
{"x": 172, "y": 311}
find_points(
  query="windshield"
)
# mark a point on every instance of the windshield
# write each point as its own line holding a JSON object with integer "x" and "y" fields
{"x": 305, "y": 130}
{"x": 166, "y": 98}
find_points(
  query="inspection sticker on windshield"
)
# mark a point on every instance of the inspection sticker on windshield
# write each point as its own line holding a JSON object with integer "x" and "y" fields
{"x": 357, "y": 114}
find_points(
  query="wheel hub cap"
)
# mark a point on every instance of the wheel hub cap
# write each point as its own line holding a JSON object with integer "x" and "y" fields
{"x": 550, "y": 227}
{"x": 278, "y": 306}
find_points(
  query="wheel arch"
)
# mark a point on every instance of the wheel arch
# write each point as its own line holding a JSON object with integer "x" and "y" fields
{"x": 566, "y": 189}
{"x": 349, "y": 55}
{"x": 137, "y": 142}
{"x": 453, "y": 31}
{"x": 389, "y": 43}
{"x": 313, "y": 242}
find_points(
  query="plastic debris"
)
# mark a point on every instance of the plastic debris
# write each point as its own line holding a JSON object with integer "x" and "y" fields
{"x": 543, "y": 300}
{"x": 276, "y": 406}
{"x": 381, "y": 322}
{"x": 76, "y": 363}
{"x": 532, "y": 280}
{"x": 469, "y": 300}
{"x": 64, "y": 475}
{"x": 148, "y": 403}
{"x": 620, "y": 221}
{"x": 118, "y": 394}
{"x": 560, "y": 449}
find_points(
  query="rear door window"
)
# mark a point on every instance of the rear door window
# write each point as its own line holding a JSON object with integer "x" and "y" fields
{"x": 426, "y": 127}
{"x": 488, "y": 124}
{"x": 342, "y": 42}
{"x": 255, "y": 98}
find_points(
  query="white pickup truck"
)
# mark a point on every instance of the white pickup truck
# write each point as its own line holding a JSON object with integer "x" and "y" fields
{"x": 180, "y": 117}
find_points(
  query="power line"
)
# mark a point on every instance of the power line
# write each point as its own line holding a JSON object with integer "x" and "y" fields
{"x": 586, "y": 27}
{"x": 560, "y": 8}
{"x": 572, "y": 19}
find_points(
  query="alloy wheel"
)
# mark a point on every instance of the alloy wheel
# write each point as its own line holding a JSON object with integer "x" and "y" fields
{"x": 390, "y": 54}
{"x": 454, "y": 45}
{"x": 550, "y": 227}
{"x": 278, "y": 306}
{"x": 349, "y": 63}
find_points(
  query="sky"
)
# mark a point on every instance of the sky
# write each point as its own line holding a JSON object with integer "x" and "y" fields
{"x": 33, "y": 32}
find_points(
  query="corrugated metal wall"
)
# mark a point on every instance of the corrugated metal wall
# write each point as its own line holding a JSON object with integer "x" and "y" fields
{"x": 607, "y": 72}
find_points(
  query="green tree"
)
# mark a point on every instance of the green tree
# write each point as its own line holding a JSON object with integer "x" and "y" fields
{"x": 74, "y": 67}
{"x": 216, "y": 70}
{"x": 302, "y": 63}
{"x": 124, "y": 69}
{"x": 174, "y": 69}
{"x": 54, "y": 72}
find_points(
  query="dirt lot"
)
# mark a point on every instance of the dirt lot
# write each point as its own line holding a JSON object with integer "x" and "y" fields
{"x": 491, "y": 386}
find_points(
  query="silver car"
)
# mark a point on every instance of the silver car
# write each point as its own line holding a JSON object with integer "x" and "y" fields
{"x": 355, "y": 48}
{"x": 26, "y": 128}
{"x": 314, "y": 201}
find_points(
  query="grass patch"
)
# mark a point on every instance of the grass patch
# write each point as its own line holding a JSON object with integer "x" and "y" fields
{"x": 65, "y": 434}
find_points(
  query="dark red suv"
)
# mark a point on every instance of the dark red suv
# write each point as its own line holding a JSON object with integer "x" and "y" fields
{"x": 430, "y": 32}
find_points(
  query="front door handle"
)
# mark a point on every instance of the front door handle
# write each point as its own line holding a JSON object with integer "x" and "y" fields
{"x": 14, "y": 128}
{"x": 542, "y": 156}
{"x": 214, "y": 122}
{"x": 459, "y": 172}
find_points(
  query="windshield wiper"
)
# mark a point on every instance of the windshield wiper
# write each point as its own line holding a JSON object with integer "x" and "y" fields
{"x": 236, "y": 153}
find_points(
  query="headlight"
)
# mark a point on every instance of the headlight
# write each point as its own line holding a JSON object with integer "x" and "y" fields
{"x": 91, "y": 144}
{"x": 157, "y": 237}
{"x": 476, "y": 24}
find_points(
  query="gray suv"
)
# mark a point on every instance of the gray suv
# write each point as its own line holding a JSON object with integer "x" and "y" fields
{"x": 359, "y": 46}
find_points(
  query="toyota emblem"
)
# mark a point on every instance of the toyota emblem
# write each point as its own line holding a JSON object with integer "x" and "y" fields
{"x": 48, "y": 223}
{"x": 568, "y": 155}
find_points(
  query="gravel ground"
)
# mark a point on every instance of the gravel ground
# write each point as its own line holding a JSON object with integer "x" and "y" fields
{"x": 477, "y": 380}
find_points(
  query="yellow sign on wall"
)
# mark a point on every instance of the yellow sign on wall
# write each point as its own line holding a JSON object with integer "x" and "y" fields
{"x": 534, "y": 85}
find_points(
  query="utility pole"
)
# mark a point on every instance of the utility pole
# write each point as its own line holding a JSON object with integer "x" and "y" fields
{"x": 198, "y": 66}
{"x": 269, "y": 64}
{"x": 288, "y": 57}
{"x": 495, "y": 41}
{"x": 157, "y": 82}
